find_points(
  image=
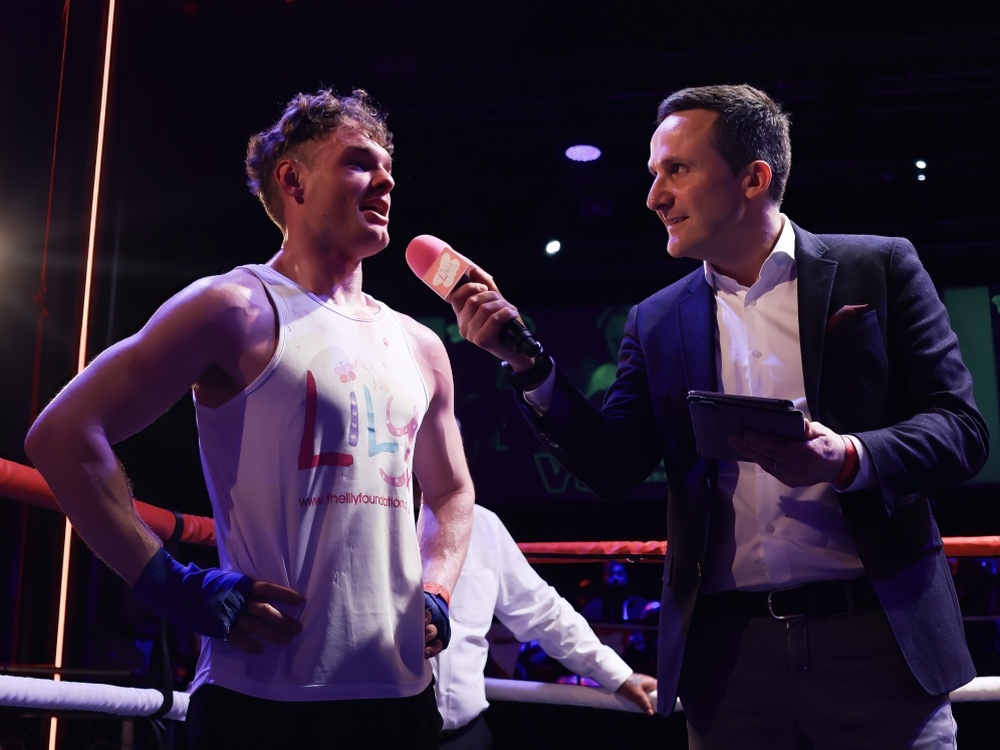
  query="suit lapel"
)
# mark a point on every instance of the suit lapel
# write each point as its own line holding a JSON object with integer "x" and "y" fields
{"x": 816, "y": 274}
{"x": 696, "y": 328}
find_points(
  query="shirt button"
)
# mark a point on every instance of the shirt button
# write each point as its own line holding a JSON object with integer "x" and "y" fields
{"x": 769, "y": 528}
{"x": 756, "y": 353}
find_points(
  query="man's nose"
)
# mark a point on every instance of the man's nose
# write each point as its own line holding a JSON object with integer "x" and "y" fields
{"x": 659, "y": 197}
{"x": 384, "y": 180}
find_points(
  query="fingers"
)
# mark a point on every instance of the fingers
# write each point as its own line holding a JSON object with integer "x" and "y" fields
{"x": 637, "y": 688}
{"x": 274, "y": 592}
{"x": 647, "y": 688}
{"x": 477, "y": 274}
{"x": 641, "y": 699}
{"x": 795, "y": 463}
{"x": 481, "y": 313}
{"x": 483, "y": 310}
{"x": 261, "y": 622}
{"x": 432, "y": 646}
{"x": 460, "y": 297}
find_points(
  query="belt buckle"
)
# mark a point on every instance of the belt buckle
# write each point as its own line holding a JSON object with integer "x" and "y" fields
{"x": 770, "y": 604}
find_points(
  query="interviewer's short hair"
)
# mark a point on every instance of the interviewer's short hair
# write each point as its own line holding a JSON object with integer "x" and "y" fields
{"x": 750, "y": 127}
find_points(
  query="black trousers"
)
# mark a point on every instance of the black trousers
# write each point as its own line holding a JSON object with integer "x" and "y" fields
{"x": 220, "y": 718}
{"x": 823, "y": 683}
{"x": 475, "y": 735}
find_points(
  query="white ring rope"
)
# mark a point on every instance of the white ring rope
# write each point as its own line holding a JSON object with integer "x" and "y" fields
{"x": 981, "y": 689}
{"x": 49, "y": 695}
{"x": 525, "y": 691}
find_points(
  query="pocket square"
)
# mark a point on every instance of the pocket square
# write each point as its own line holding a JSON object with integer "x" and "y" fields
{"x": 847, "y": 312}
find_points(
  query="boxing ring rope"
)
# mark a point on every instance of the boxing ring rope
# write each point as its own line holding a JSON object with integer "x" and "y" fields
{"x": 38, "y": 694}
{"x": 564, "y": 552}
{"x": 25, "y": 484}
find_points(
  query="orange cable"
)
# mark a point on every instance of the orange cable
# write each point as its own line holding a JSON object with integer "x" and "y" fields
{"x": 84, "y": 323}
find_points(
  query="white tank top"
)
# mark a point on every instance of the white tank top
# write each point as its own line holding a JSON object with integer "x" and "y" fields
{"x": 309, "y": 473}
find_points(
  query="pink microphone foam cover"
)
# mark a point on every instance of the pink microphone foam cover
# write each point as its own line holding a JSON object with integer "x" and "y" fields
{"x": 437, "y": 264}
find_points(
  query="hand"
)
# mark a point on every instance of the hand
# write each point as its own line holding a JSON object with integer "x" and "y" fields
{"x": 482, "y": 312}
{"x": 216, "y": 602}
{"x": 262, "y": 621}
{"x": 796, "y": 463}
{"x": 637, "y": 688}
{"x": 432, "y": 645}
{"x": 437, "y": 627}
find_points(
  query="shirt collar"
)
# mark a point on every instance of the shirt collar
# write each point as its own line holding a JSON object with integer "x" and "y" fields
{"x": 782, "y": 256}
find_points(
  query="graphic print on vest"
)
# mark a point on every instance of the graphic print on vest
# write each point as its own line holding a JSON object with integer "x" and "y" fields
{"x": 355, "y": 412}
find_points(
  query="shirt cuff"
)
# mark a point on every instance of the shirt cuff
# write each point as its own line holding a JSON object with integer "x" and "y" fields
{"x": 540, "y": 398}
{"x": 865, "y": 478}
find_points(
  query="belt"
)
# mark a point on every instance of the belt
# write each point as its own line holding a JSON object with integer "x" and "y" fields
{"x": 818, "y": 599}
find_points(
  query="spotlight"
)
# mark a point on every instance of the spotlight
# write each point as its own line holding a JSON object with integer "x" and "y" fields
{"x": 583, "y": 152}
{"x": 553, "y": 247}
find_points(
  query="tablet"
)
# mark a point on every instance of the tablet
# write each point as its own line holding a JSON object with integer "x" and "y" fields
{"x": 716, "y": 415}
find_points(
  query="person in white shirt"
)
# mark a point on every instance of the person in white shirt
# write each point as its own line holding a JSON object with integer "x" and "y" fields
{"x": 497, "y": 580}
{"x": 807, "y": 601}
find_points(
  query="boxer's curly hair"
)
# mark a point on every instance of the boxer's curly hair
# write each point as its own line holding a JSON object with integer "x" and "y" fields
{"x": 307, "y": 118}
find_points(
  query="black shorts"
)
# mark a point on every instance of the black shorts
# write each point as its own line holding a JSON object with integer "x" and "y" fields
{"x": 220, "y": 718}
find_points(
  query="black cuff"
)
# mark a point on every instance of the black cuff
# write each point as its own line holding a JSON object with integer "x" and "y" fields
{"x": 531, "y": 378}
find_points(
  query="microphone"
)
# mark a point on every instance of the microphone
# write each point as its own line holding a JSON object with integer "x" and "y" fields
{"x": 444, "y": 270}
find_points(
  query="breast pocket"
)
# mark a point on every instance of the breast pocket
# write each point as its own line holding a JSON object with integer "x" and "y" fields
{"x": 853, "y": 347}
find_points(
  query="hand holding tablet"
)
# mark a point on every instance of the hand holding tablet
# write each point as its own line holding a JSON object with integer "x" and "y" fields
{"x": 717, "y": 415}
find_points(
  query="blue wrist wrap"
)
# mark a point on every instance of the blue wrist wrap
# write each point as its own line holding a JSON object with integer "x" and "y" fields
{"x": 438, "y": 608}
{"x": 206, "y": 602}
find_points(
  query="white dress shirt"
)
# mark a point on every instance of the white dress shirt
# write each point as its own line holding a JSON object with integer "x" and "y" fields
{"x": 497, "y": 579}
{"x": 764, "y": 534}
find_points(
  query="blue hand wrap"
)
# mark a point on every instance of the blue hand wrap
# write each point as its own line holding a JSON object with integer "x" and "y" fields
{"x": 438, "y": 607}
{"x": 206, "y": 602}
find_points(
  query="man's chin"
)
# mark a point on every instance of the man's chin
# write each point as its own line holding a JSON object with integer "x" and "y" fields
{"x": 676, "y": 249}
{"x": 378, "y": 240}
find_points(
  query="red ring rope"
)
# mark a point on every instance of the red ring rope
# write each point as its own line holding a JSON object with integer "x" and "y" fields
{"x": 26, "y": 485}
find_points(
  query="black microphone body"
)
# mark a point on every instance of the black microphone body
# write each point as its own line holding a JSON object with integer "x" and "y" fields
{"x": 516, "y": 335}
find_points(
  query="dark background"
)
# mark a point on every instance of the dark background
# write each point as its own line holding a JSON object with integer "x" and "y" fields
{"x": 483, "y": 99}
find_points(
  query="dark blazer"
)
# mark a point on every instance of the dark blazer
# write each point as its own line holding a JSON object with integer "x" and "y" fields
{"x": 880, "y": 361}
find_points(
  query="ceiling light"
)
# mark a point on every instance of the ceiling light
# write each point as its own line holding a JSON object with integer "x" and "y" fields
{"x": 583, "y": 152}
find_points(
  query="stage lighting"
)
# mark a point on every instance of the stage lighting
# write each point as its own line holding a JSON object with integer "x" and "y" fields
{"x": 583, "y": 152}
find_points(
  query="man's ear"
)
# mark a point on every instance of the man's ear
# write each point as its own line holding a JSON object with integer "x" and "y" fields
{"x": 287, "y": 173}
{"x": 756, "y": 178}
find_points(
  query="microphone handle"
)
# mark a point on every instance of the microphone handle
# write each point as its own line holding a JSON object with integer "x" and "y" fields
{"x": 514, "y": 333}
{"x": 518, "y": 337}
